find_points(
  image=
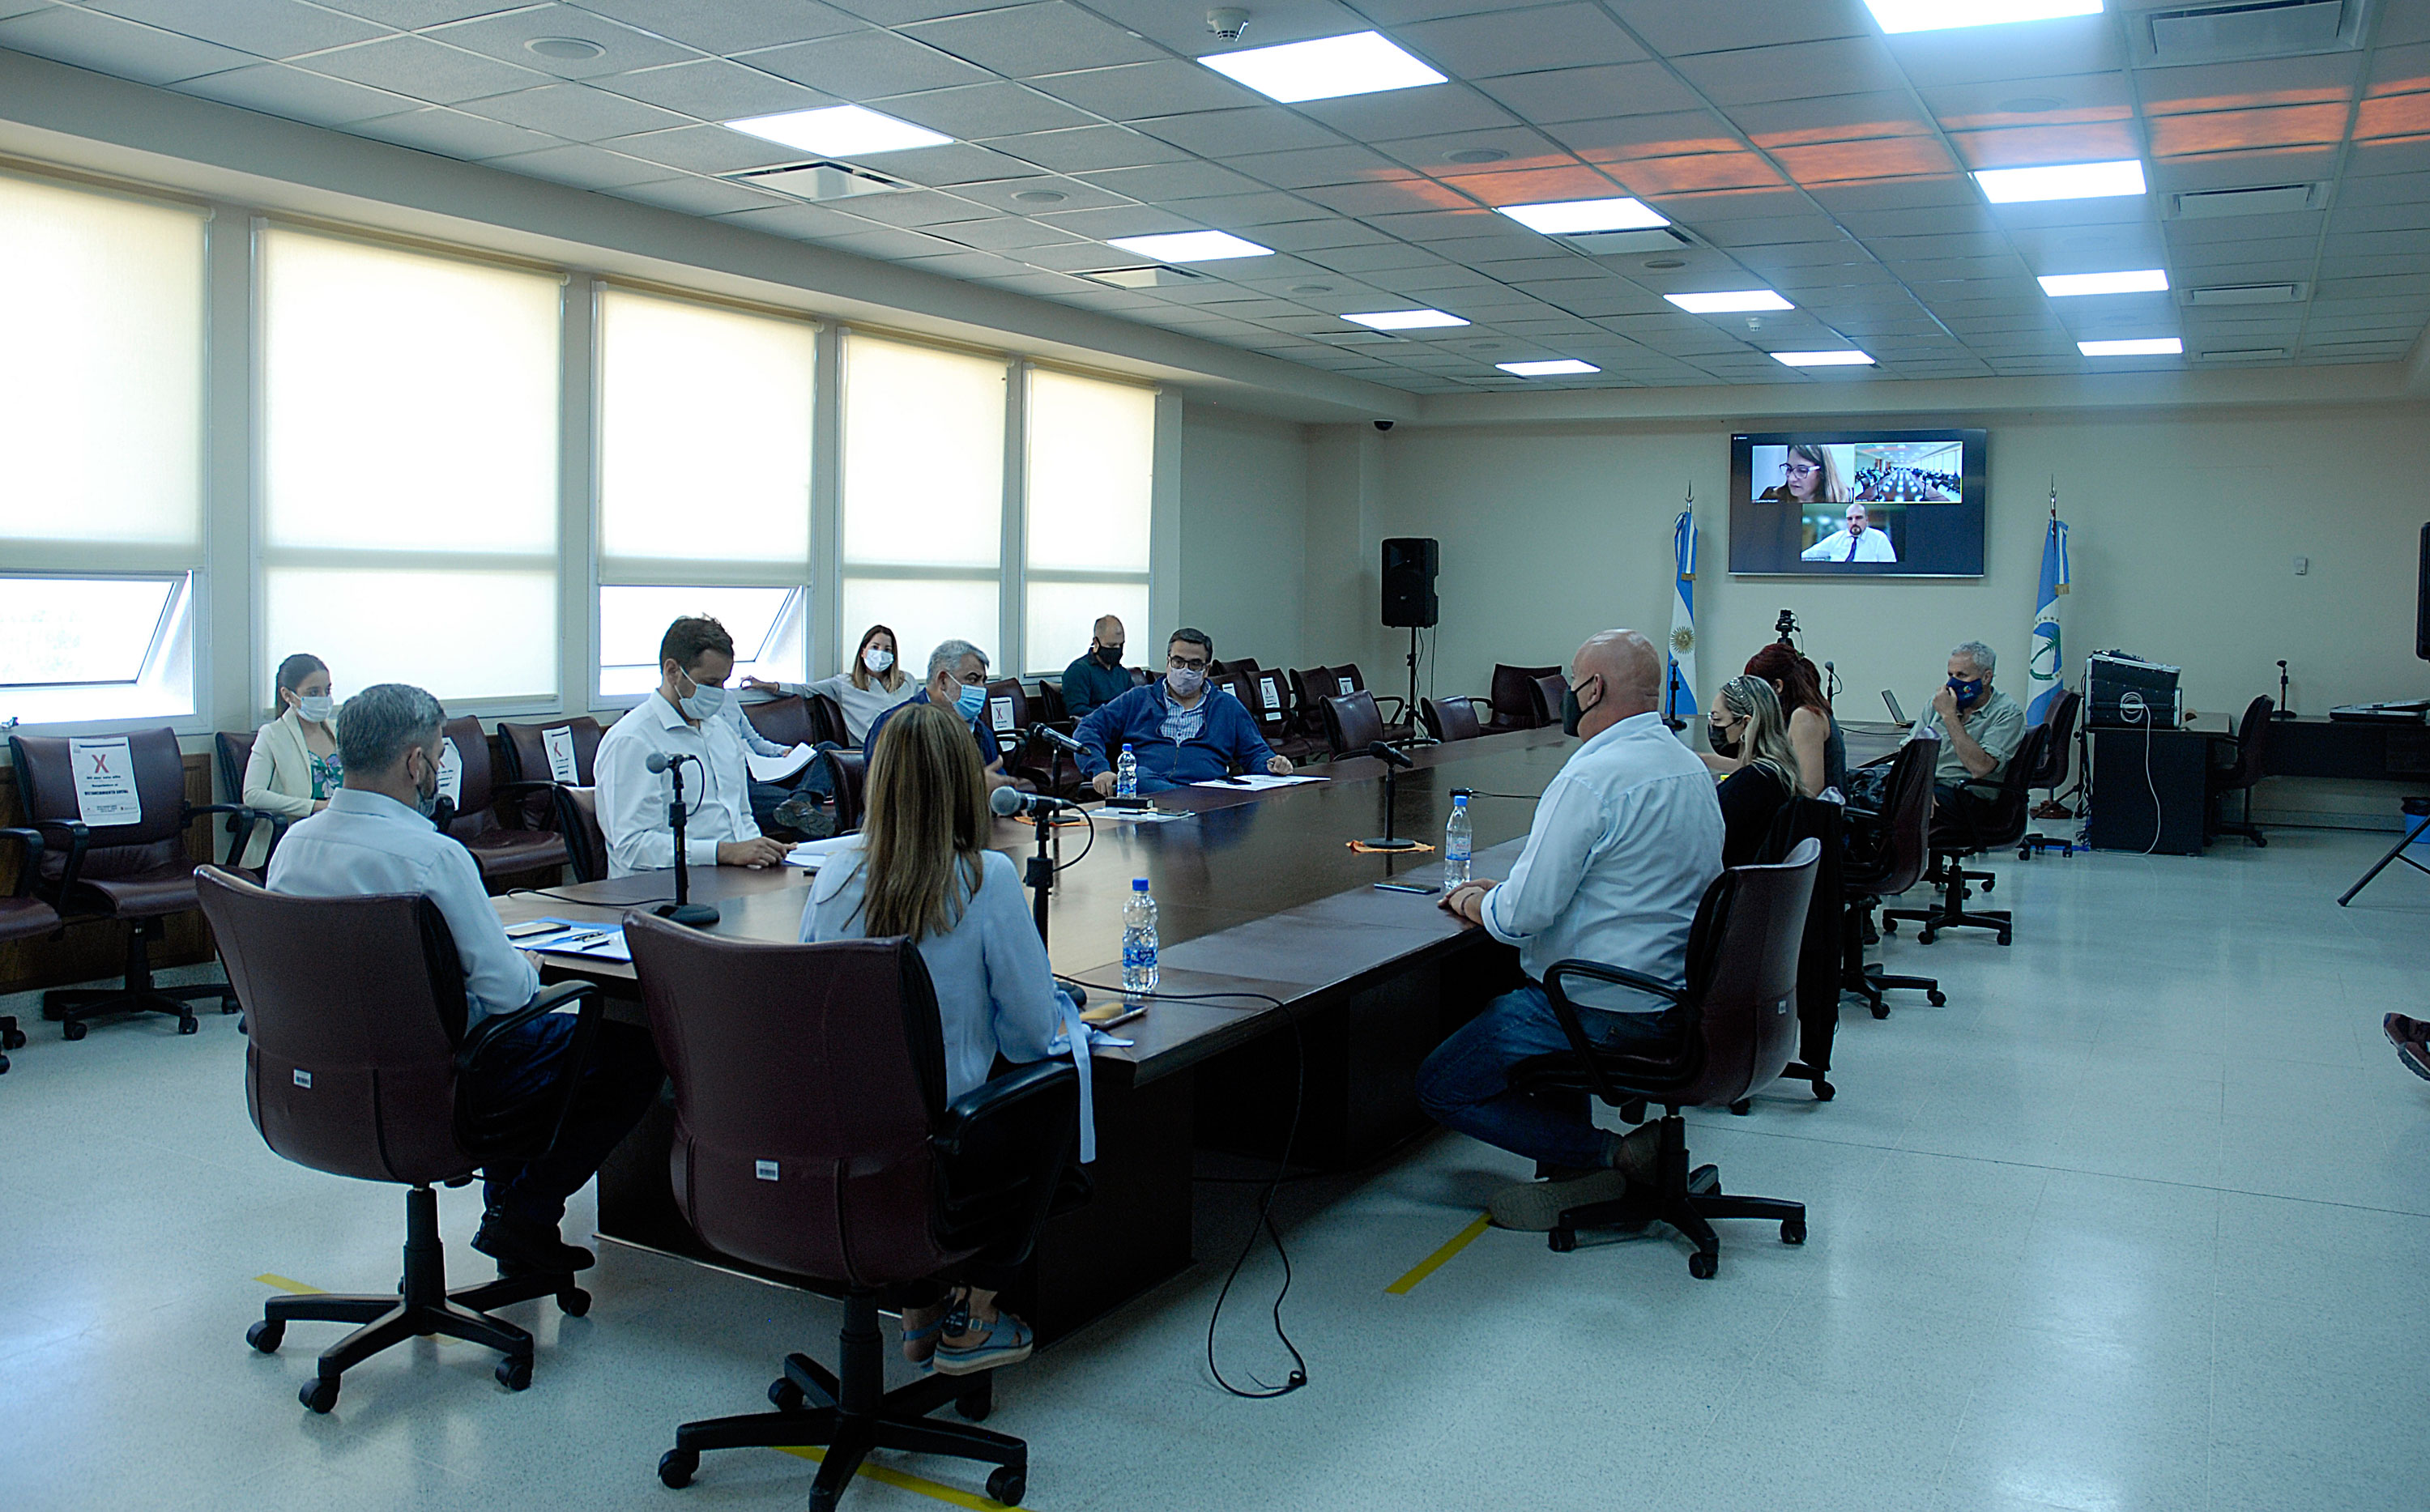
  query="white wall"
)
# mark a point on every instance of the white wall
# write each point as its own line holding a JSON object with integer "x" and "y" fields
{"x": 1245, "y": 493}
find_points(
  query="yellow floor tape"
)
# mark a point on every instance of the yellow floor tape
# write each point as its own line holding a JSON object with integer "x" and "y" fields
{"x": 1436, "y": 1261}
{"x": 283, "y": 1284}
{"x": 901, "y": 1481}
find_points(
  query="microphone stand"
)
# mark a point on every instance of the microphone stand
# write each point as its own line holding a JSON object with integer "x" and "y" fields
{"x": 683, "y": 910}
{"x": 1391, "y": 793}
{"x": 1040, "y": 877}
{"x": 2283, "y": 711}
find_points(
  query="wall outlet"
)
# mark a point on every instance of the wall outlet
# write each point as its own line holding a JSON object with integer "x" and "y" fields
{"x": 2303, "y": 565}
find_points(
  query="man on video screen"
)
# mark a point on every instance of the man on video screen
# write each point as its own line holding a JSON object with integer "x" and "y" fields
{"x": 1857, "y": 541}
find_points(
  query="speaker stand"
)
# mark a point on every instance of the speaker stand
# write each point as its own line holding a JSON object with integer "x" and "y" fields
{"x": 1417, "y": 726}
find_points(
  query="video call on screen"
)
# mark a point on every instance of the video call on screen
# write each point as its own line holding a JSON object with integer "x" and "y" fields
{"x": 1835, "y": 503}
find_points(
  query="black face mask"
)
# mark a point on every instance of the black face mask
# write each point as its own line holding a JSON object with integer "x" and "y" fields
{"x": 1723, "y": 745}
{"x": 1109, "y": 657}
{"x": 1571, "y": 710}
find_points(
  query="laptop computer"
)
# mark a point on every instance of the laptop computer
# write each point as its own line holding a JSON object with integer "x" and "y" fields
{"x": 1897, "y": 713}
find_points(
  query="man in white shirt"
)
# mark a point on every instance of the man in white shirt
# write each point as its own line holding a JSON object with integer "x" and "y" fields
{"x": 1859, "y": 541}
{"x": 1624, "y": 841}
{"x": 682, "y": 718}
{"x": 376, "y": 837}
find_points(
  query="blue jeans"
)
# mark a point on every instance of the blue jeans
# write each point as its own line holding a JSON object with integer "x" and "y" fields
{"x": 1465, "y": 1085}
{"x": 525, "y": 1068}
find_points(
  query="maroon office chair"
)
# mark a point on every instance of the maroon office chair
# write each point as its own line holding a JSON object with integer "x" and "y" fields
{"x": 1545, "y": 699}
{"x": 827, "y": 724}
{"x": 522, "y": 750}
{"x": 1513, "y": 698}
{"x": 22, "y": 916}
{"x": 356, "y": 1064}
{"x": 851, "y": 782}
{"x": 1267, "y": 691}
{"x": 1740, "y": 1000}
{"x": 1351, "y": 722}
{"x": 1449, "y": 718}
{"x": 1887, "y": 854}
{"x": 812, "y": 1137}
{"x": 1393, "y": 709}
{"x": 1051, "y": 707}
{"x": 578, "y": 820}
{"x": 786, "y": 720}
{"x": 234, "y": 749}
{"x": 138, "y": 874}
{"x": 489, "y": 818}
{"x": 1311, "y": 687}
{"x": 2245, "y": 753}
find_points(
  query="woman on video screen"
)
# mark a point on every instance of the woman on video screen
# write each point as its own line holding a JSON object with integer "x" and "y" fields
{"x": 1808, "y": 476}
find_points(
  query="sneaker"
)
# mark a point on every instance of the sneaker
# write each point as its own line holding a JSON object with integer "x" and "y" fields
{"x": 1640, "y": 1152}
{"x": 1006, "y": 1341}
{"x": 806, "y": 815}
{"x": 523, "y": 1248}
{"x": 1534, "y": 1206}
{"x": 2416, "y": 1056}
{"x": 2401, "y": 1031}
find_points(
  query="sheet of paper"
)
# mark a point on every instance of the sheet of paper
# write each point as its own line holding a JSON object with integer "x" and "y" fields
{"x": 562, "y": 767}
{"x": 105, "y": 782}
{"x": 811, "y": 855}
{"x": 598, "y": 941}
{"x": 1142, "y": 816}
{"x": 1256, "y": 782}
{"x": 780, "y": 768}
{"x": 450, "y": 773}
{"x": 1348, "y": 687}
{"x": 1000, "y": 715}
{"x": 1272, "y": 691}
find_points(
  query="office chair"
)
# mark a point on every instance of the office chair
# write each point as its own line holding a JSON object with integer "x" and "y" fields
{"x": 524, "y": 755}
{"x": 1393, "y": 709}
{"x": 813, "y": 1137}
{"x": 1546, "y": 695}
{"x": 139, "y": 874}
{"x": 851, "y": 778}
{"x": 490, "y": 821}
{"x": 1740, "y": 1000}
{"x": 1513, "y": 698}
{"x": 586, "y": 842}
{"x": 1820, "y": 821}
{"x": 1968, "y": 828}
{"x": 2247, "y": 751}
{"x": 1887, "y": 854}
{"x": 357, "y": 1065}
{"x": 234, "y": 749}
{"x": 2053, "y": 771}
{"x": 22, "y": 916}
{"x": 1267, "y": 692}
{"x": 1311, "y": 687}
{"x": 1449, "y": 718}
{"x": 786, "y": 720}
{"x": 1351, "y": 722}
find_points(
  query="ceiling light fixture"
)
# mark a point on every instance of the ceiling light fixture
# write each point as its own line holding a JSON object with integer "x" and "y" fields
{"x": 1567, "y": 217}
{"x": 1190, "y": 246}
{"x": 2146, "y": 347}
{"x": 1477, "y": 155}
{"x": 1557, "y": 368}
{"x": 1041, "y": 196}
{"x": 1823, "y": 360}
{"x": 1405, "y": 319}
{"x": 2061, "y": 181}
{"x": 838, "y": 131}
{"x": 1328, "y": 68}
{"x": 1729, "y": 300}
{"x": 1897, "y": 16}
{"x": 2140, "y": 281}
{"x": 570, "y": 48}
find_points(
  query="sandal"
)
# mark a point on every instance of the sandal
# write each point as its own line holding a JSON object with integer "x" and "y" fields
{"x": 920, "y": 1344}
{"x": 1006, "y": 1341}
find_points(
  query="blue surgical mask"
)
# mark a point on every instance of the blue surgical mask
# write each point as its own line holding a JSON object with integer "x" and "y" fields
{"x": 705, "y": 703}
{"x": 1967, "y": 689}
{"x": 972, "y": 701}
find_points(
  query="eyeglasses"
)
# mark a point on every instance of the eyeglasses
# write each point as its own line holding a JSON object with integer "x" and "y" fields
{"x": 1799, "y": 470}
{"x": 1186, "y": 663}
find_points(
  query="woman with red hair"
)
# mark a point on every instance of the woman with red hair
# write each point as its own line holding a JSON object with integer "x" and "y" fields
{"x": 1821, "y": 756}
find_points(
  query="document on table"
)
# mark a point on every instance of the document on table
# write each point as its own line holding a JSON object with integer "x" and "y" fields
{"x": 1256, "y": 782}
{"x": 604, "y": 942}
{"x": 779, "y": 768}
{"x": 811, "y": 855}
{"x": 1142, "y": 816}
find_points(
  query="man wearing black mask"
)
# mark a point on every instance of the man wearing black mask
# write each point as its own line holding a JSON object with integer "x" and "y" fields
{"x": 1099, "y": 677}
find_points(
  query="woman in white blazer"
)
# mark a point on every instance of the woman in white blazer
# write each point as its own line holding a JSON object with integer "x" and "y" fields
{"x": 294, "y": 766}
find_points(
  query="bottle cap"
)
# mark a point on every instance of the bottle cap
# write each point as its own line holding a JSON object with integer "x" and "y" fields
{"x": 1459, "y": 800}
{"x": 1139, "y": 883}
{"x": 1127, "y": 746}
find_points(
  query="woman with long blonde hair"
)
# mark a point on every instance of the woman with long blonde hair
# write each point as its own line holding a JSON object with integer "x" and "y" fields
{"x": 1747, "y": 723}
{"x": 920, "y": 870}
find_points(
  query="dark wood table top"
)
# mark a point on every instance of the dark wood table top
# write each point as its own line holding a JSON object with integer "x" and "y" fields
{"x": 1257, "y": 892}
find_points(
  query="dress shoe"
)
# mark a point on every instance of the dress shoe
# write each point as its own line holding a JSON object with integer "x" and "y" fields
{"x": 2401, "y": 1031}
{"x": 522, "y": 1248}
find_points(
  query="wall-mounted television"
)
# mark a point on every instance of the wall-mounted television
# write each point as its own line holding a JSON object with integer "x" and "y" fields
{"x": 1857, "y": 503}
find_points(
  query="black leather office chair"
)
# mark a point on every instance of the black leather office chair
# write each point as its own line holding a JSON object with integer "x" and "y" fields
{"x": 1351, "y": 722}
{"x": 2056, "y": 751}
{"x": 1741, "y": 1002}
{"x": 1449, "y": 718}
{"x": 2238, "y": 771}
{"x": 22, "y": 916}
{"x": 1887, "y": 854}
{"x": 1969, "y": 828}
{"x": 1513, "y": 697}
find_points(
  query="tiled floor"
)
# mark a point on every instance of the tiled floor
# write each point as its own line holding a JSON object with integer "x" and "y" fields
{"x": 2141, "y": 1220}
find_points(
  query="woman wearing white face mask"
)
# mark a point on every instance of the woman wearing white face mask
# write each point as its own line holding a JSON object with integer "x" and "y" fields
{"x": 870, "y": 686}
{"x": 294, "y": 765}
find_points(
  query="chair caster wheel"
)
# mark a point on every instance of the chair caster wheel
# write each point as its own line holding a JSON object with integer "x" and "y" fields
{"x": 1889, "y": 926}
{"x": 13, "y": 1039}
{"x": 1824, "y": 1091}
{"x": 785, "y": 1396}
{"x": 1009, "y": 1484}
{"x": 1988, "y": 883}
{"x": 675, "y": 1468}
{"x": 189, "y": 1024}
{"x": 1743, "y": 1106}
{"x": 1881, "y": 1010}
{"x": 1793, "y": 1231}
{"x": 320, "y": 1394}
{"x": 975, "y": 1407}
{"x": 1562, "y": 1240}
{"x": 266, "y": 1335}
{"x": 1937, "y": 998}
{"x": 4, "y": 1065}
{"x": 1927, "y": 937}
{"x": 2003, "y": 936}
{"x": 73, "y": 1029}
{"x": 514, "y": 1372}
{"x": 1701, "y": 1266}
{"x": 575, "y": 1302}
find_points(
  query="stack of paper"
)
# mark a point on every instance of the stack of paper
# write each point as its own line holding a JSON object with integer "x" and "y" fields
{"x": 780, "y": 768}
{"x": 811, "y": 855}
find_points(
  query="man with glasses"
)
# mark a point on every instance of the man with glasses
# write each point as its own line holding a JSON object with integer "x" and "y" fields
{"x": 1181, "y": 730}
{"x": 957, "y": 679}
{"x": 682, "y": 716}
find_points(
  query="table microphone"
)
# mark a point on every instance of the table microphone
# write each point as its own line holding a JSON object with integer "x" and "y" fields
{"x": 1389, "y": 756}
{"x": 683, "y": 910}
{"x": 1055, "y": 737}
{"x": 1007, "y": 801}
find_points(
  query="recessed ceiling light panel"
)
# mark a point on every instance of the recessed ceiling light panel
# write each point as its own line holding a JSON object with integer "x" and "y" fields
{"x": 1823, "y": 360}
{"x": 1898, "y": 16}
{"x": 1190, "y": 246}
{"x": 1569, "y": 217}
{"x": 1328, "y": 68}
{"x": 1405, "y": 319}
{"x": 839, "y": 131}
{"x": 2143, "y": 346}
{"x": 1729, "y": 300}
{"x": 1558, "y": 368}
{"x": 2061, "y": 181}
{"x": 2138, "y": 281}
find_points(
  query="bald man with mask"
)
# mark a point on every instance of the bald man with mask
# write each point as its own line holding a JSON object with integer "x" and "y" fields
{"x": 1624, "y": 841}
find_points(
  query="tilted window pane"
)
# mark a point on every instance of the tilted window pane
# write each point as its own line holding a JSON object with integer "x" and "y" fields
{"x": 767, "y": 624}
{"x": 1091, "y": 473}
{"x": 922, "y": 457}
{"x": 65, "y": 630}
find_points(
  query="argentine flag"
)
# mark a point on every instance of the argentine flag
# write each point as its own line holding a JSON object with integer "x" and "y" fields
{"x": 1681, "y": 694}
{"x": 2044, "y": 667}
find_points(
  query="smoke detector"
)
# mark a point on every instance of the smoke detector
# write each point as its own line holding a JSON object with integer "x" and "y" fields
{"x": 1227, "y": 23}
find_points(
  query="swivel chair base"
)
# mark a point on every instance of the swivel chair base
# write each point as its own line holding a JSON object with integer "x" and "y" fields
{"x": 11, "y": 1038}
{"x": 422, "y": 1305}
{"x": 850, "y": 1416}
{"x": 73, "y": 1007}
{"x": 1953, "y": 912}
{"x": 1686, "y": 1200}
{"x": 1868, "y": 981}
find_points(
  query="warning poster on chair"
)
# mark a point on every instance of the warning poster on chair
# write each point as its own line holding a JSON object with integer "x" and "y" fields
{"x": 105, "y": 782}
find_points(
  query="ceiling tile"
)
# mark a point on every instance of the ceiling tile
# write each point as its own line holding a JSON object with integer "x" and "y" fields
{"x": 1420, "y": 112}
{"x": 1678, "y": 29}
{"x": 1839, "y": 162}
{"x": 1561, "y": 180}
{"x": 107, "y": 45}
{"x": 1076, "y": 195}
{"x": 2398, "y": 69}
{"x": 1593, "y": 93}
{"x": 1137, "y": 91}
{"x": 917, "y": 208}
{"x": 453, "y": 134}
{"x": 1230, "y": 133}
{"x": 1022, "y": 41}
{"x": 425, "y": 70}
{"x": 2326, "y": 77}
{"x": 695, "y": 195}
{"x": 703, "y": 149}
{"x": 2067, "y": 99}
{"x": 2287, "y": 126}
{"x": 1650, "y": 176}
{"x": 1559, "y": 36}
{"x": 958, "y": 163}
{"x": 1385, "y": 198}
{"x": 1171, "y": 181}
{"x": 2392, "y": 115}
{"x": 1316, "y": 166}
{"x": 1004, "y": 233}
{"x": 411, "y": 13}
{"x": 865, "y": 65}
{"x": 730, "y": 25}
{"x": 267, "y": 28}
{"x": 903, "y": 12}
{"x": 584, "y": 167}
{"x": 504, "y": 37}
{"x": 279, "y": 89}
{"x": 1119, "y": 219}
{"x": 2031, "y": 146}
{"x": 977, "y": 111}
{"x": 2076, "y": 44}
{"x": 576, "y": 111}
{"x": 1246, "y": 212}
{"x": 1083, "y": 148}
{"x": 1669, "y": 135}
{"x": 1792, "y": 71}
{"x": 714, "y": 90}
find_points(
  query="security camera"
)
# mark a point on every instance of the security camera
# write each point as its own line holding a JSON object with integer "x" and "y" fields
{"x": 1383, "y": 425}
{"x": 1227, "y": 23}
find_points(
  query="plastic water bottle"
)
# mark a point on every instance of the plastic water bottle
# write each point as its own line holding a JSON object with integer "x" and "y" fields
{"x": 1126, "y": 780}
{"x": 1139, "y": 940}
{"x": 1457, "y": 844}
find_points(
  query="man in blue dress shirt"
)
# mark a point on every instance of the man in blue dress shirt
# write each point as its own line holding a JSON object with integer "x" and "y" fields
{"x": 1180, "y": 730}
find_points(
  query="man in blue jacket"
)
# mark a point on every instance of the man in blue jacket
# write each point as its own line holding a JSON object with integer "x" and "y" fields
{"x": 1180, "y": 730}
